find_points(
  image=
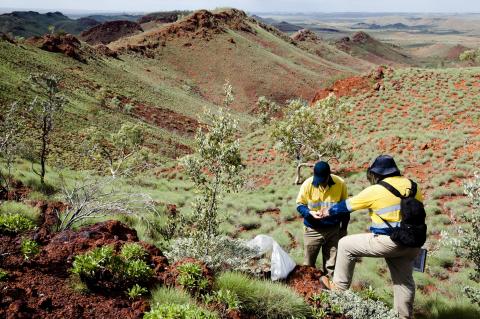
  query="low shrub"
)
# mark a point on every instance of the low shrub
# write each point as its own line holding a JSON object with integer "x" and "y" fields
{"x": 176, "y": 311}
{"x": 15, "y": 223}
{"x": 228, "y": 299}
{"x": 132, "y": 251}
{"x": 191, "y": 278}
{"x": 29, "y": 248}
{"x": 102, "y": 265}
{"x": 136, "y": 291}
{"x": 223, "y": 253}
{"x": 355, "y": 307}
{"x": 264, "y": 299}
{"x": 3, "y": 275}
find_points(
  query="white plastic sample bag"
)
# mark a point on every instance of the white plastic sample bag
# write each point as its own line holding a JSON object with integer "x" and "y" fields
{"x": 281, "y": 264}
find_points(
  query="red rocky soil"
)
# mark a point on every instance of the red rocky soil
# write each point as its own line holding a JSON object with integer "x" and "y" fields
{"x": 306, "y": 281}
{"x": 42, "y": 288}
{"x": 357, "y": 38}
{"x": 106, "y": 51}
{"x": 354, "y": 85}
{"x": 110, "y": 31}
{"x": 166, "y": 119}
{"x": 17, "y": 191}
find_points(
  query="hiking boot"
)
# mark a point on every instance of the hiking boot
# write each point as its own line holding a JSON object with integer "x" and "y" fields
{"x": 327, "y": 283}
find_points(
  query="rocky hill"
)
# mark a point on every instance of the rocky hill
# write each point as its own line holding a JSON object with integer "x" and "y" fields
{"x": 363, "y": 46}
{"x": 163, "y": 17}
{"x": 229, "y": 45}
{"x": 110, "y": 31}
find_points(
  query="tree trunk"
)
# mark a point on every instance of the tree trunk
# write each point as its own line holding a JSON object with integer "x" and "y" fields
{"x": 299, "y": 167}
{"x": 43, "y": 155}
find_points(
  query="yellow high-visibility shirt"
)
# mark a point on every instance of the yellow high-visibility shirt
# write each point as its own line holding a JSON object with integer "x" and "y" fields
{"x": 381, "y": 202}
{"x": 317, "y": 197}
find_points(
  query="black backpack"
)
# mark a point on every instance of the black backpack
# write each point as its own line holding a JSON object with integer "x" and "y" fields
{"x": 413, "y": 230}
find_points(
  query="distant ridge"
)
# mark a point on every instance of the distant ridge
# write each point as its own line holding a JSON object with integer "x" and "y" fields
{"x": 31, "y": 23}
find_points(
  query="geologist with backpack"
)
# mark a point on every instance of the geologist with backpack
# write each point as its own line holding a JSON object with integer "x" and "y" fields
{"x": 398, "y": 231}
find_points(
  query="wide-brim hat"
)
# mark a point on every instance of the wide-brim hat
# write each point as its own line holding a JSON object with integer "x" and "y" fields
{"x": 384, "y": 165}
{"x": 321, "y": 173}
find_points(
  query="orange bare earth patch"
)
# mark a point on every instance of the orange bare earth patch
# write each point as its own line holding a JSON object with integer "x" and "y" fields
{"x": 346, "y": 87}
{"x": 166, "y": 119}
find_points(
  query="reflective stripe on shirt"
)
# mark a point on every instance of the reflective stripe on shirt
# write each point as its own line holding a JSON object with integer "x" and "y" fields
{"x": 387, "y": 210}
{"x": 349, "y": 206}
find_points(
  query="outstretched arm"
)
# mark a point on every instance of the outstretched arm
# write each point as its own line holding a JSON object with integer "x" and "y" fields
{"x": 305, "y": 212}
{"x": 340, "y": 208}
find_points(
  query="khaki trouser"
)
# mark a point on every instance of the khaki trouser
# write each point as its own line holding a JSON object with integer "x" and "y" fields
{"x": 325, "y": 238}
{"x": 399, "y": 260}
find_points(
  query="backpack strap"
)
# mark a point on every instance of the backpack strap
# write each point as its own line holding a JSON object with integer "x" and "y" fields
{"x": 391, "y": 189}
{"x": 388, "y": 224}
{"x": 413, "y": 190}
{"x": 394, "y": 191}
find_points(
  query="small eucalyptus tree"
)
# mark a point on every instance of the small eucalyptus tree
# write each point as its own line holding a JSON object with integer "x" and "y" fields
{"x": 46, "y": 109}
{"x": 214, "y": 168}
{"x": 12, "y": 129}
{"x": 266, "y": 109}
{"x": 311, "y": 132}
{"x": 119, "y": 152}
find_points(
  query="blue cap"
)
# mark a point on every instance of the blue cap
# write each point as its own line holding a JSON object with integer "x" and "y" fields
{"x": 384, "y": 165}
{"x": 321, "y": 173}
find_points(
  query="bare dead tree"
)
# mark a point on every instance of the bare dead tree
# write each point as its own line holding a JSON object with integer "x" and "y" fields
{"x": 96, "y": 199}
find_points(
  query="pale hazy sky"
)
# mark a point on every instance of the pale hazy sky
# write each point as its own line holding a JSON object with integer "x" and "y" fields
{"x": 252, "y": 5}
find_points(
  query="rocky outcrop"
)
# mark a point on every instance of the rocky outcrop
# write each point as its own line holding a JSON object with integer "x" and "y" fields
{"x": 67, "y": 44}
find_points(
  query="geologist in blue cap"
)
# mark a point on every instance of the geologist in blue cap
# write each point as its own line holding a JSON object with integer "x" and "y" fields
{"x": 383, "y": 201}
{"x": 322, "y": 190}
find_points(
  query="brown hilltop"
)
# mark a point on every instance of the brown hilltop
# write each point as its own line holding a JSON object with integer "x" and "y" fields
{"x": 357, "y": 38}
{"x": 201, "y": 24}
{"x": 110, "y": 31}
{"x": 361, "y": 38}
{"x": 364, "y": 46}
{"x": 306, "y": 35}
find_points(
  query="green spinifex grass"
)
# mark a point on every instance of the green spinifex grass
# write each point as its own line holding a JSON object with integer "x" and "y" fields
{"x": 264, "y": 299}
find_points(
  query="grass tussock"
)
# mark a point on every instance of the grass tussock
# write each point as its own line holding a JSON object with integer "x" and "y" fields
{"x": 264, "y": 299}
